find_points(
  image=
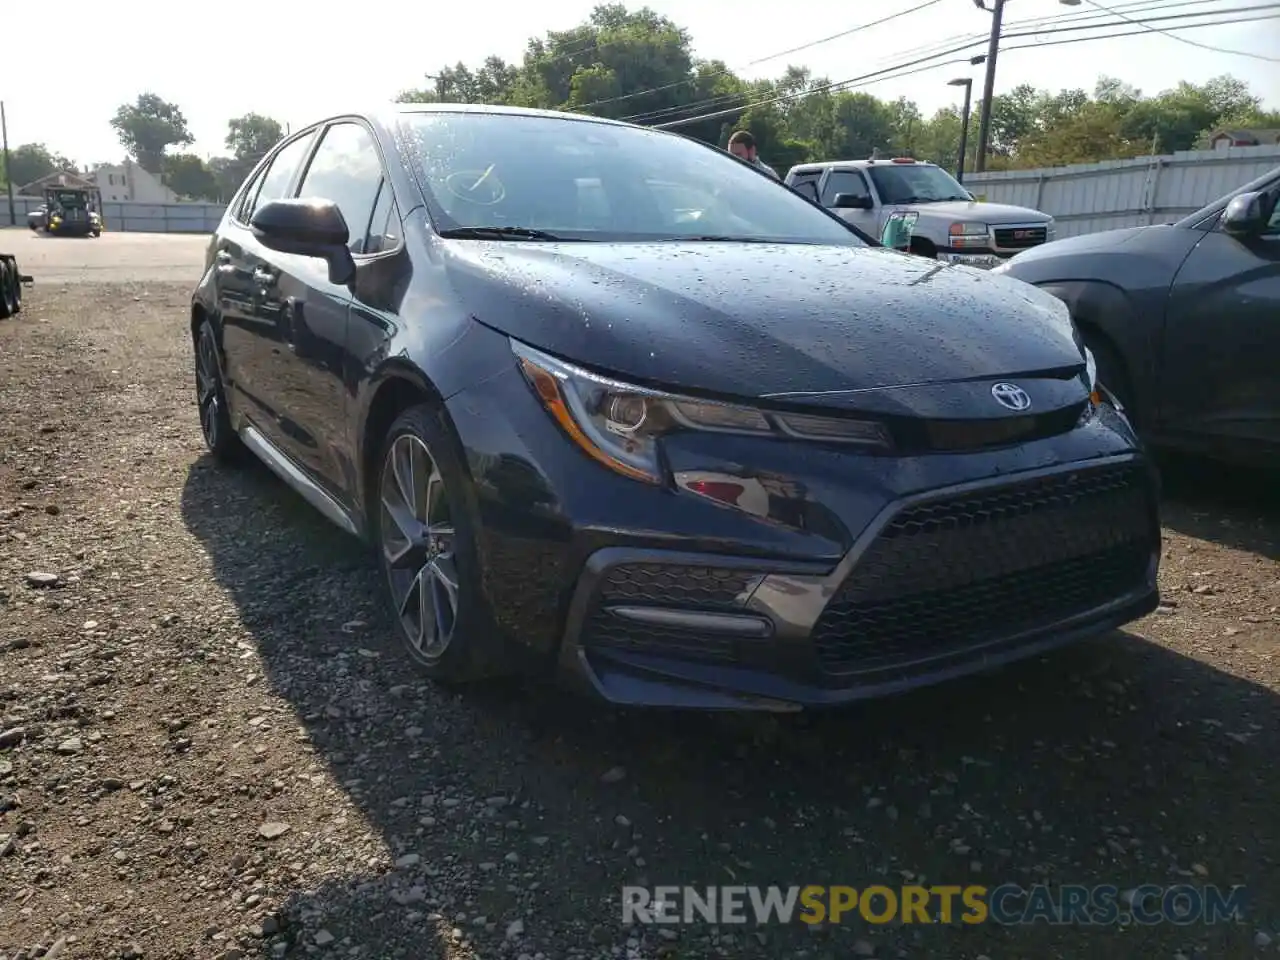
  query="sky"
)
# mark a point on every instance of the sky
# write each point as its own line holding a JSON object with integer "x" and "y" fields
{"x": 216, "y": 63}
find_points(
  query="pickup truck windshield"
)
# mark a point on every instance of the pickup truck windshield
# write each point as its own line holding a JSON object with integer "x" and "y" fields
{"x": 915, "y": 183}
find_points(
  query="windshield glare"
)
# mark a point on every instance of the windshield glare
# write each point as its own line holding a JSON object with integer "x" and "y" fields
{"x": 583, "y": 180}
{"x": 915, "y": 183}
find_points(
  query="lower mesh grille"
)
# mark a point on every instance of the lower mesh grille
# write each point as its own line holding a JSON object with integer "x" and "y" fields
{"x": 606, "y": 631}
{"x": 671, "y": 586}
{"x": 946, "y": 576}
{"x": 675, "y": 585}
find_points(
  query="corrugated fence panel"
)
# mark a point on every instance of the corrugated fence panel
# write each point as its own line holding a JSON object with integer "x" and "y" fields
{"x": 1090, "y": 197}
{"x": 134, "y": 217}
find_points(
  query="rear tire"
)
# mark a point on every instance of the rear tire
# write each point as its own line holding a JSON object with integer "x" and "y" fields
{"x": 211, "y": 399}
{"x": 10, "y": 290}
{"x": 426, "y": 542}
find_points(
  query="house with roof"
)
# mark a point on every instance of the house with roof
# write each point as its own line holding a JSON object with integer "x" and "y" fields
{"x": 129, "y": 181}
{"x": 1257, "y": 137}
{"x": 59, "y": 178}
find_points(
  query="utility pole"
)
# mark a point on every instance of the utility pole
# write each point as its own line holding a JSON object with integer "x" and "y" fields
{"x": 8, "y": 178}
{"x": 967, "y": 83}
{"x": 989, "y": 85}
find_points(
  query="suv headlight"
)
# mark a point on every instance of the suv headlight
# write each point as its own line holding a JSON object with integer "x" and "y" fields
{"x": 968, "y": 234}
{"x": 1050, "y": 230}
{"x": 619, "y": 425}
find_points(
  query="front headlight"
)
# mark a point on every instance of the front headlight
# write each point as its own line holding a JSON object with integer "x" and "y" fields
{"x": 619, "y": 424}
{"x": 968, "y": 234}
{"x": 1050, "y": 230}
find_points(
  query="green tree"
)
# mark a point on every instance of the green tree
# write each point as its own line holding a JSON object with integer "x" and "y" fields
{"x": 31, "y": 161}
{"x": 148, "y": 127}
{"x": 251, "y": 136}
{"x": 639, "y": 66}
{"x": 189, "y": 176}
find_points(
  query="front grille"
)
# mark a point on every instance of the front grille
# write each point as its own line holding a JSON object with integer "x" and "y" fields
{"x": 950, "y": 436}
{"x": 1019, "y": 238}
{"x": 677, "y": 585}
{"x": 948, "y": 576}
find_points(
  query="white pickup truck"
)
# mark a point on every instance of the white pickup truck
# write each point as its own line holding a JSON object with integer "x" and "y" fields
{"x": 947, "y": 221}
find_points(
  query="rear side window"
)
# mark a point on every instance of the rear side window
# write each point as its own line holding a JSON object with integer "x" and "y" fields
{"x": 844, "y": 181}
{"x": 274, "y": 183}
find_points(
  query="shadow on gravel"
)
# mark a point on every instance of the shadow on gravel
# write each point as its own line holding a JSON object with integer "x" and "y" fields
{"x": 1237, "y": 507}
{"x": 1116, "y": 762}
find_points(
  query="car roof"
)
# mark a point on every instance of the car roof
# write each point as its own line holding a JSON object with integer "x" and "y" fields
{"x": 386, "y": 115}
{"x": 820, "y": 165}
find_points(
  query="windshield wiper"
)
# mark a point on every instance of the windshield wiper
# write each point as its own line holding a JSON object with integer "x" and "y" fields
{"x": 498, "y": 233}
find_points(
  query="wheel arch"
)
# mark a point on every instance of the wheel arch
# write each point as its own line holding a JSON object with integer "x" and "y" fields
{"x": 1105, "y": 313}
{"x": 394, "y": 389}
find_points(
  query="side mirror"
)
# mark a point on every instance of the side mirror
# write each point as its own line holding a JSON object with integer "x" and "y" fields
{"x": 1245, "y": 215}
{"x": 851, "y": 201}
{"x": 307, "y": 227}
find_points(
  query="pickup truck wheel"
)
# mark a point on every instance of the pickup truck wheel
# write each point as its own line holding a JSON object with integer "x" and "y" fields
{"x": 923, "y": 248}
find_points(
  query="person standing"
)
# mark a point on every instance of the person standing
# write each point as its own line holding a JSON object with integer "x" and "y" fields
{"x": 743, "y": 146}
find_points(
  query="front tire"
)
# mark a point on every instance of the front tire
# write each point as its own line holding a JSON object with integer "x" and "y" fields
{"x": 211, "y": 399}
{"x": 426, "y": 544}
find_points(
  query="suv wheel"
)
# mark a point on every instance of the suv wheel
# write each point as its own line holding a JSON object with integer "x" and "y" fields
{"x": 427, "y": 550}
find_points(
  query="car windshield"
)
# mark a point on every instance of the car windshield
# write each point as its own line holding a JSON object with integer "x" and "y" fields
{"x": 915, "y": 183}
{"x": 496, "y": 176}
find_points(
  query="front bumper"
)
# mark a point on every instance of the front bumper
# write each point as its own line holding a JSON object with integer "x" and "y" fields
{"x": 1003, "y": 241}
{"x": 939, "y": 585}
{"x": 838, "y": 578}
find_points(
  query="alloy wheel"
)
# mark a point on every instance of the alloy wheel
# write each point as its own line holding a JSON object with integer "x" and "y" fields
{"x": 418, "y": 542}
{"x": 208, "y": 396}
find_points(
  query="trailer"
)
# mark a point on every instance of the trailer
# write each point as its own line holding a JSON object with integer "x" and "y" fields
{"x": 12, "y": 280}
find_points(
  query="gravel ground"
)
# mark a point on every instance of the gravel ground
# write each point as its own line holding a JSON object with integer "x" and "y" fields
{"x": 209, "y": 747}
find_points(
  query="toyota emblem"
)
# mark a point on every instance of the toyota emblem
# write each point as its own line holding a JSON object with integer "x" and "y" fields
{"x": 1011, "y": 396}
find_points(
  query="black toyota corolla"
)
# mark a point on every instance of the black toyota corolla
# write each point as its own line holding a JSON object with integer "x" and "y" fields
{"x": 611, "y": 403}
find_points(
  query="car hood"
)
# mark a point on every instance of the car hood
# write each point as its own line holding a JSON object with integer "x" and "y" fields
{"x": 754, "y": 320}
{"x": 974, "y": 210}
{"x": 1088, "y": 243}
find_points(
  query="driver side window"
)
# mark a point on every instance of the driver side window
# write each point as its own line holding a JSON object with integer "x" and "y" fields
{"x": 844, "y": 181}
{"x": 1273, "y": 225}
{"x": 346, "y": 169}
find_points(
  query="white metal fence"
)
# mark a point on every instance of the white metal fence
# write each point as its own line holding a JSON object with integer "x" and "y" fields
{"x": 133, "y": 217}
{"x": 1089, "y": 197}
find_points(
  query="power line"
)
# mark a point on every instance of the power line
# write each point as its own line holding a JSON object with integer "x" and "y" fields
{"x": 1193, "y": 43}
{"x": 726, "y": 101}
{"x": 772, "y": 56}
{"x": 1133, "y": 6}
{"x": 879, "y": 75}
{"x": 822, "y": 88}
